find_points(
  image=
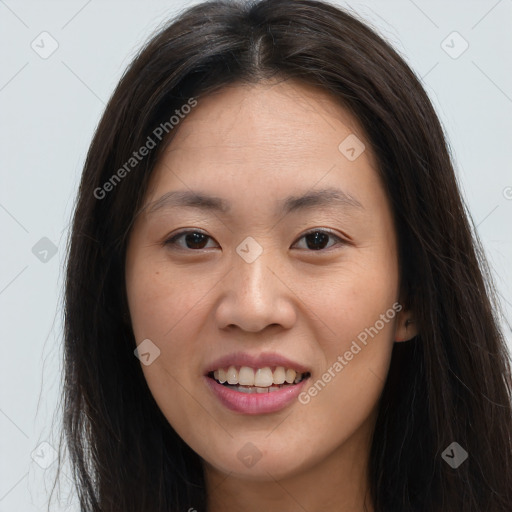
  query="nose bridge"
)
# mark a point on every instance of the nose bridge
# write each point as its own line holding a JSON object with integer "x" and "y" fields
{"x": 255, "y": 297}
{"x": 254, "y": 282}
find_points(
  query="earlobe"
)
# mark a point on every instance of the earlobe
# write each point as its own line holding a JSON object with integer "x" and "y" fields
{"x": 406, "y": 327}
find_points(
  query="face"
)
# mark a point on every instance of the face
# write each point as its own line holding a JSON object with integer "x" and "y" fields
{"x": 255, "y": 283}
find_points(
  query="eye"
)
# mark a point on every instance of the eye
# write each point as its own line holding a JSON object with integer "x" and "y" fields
{"x": 317, "y": 239}
{"x": 193, "y": 239}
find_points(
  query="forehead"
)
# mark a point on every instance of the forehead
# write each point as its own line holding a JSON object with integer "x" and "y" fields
{"x": 271, "y": 136}
{"x": 273, "y": 115}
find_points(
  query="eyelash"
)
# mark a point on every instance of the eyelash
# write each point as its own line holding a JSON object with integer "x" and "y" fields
{"x": 172, "y": 240}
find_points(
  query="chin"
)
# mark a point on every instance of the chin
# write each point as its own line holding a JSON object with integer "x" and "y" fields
{"x": 261, "y": 460}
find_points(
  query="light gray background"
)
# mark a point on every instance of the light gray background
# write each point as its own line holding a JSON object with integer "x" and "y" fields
{"x": 50, "y": 107}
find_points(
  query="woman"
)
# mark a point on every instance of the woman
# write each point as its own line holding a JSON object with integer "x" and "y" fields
{"x": 274, "y": 298}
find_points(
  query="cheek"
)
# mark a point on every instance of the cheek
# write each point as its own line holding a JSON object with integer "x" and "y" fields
{"x": 354, "y": 298}
{"x": 359, "y": 307}
{"x": 164, "y": 309}
{"x": 159, "y": 301}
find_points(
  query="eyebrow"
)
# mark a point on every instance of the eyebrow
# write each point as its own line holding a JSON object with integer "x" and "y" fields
{"x": 326, "y": 197}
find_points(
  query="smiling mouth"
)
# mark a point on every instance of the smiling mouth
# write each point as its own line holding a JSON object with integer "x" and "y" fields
{"x": 260, "y": 380}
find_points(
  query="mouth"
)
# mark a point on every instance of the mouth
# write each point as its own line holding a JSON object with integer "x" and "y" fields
{"x": 245, "y": 379}
{"x": 262, "y": 383}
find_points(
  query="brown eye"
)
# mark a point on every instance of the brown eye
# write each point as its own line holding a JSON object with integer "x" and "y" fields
{"x": 192, "y": 239}
{"x": 318, "y": 239}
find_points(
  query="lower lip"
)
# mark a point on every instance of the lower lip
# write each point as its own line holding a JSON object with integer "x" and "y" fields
{"x": 255, "y": 403}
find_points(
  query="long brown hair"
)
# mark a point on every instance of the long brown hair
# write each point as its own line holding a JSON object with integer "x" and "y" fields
{"x": 452, "y": 383}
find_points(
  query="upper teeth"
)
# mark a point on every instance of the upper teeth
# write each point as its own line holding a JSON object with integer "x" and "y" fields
{"x": 261, "y": 377}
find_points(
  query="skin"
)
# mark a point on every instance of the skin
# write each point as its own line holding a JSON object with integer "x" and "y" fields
{"x": 253, "y": 146}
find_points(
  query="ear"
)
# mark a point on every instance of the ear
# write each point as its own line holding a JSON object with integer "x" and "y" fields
{"x": 406, "y": 326}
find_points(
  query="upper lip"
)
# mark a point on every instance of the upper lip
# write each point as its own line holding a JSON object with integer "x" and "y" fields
{"x": 254, "y": 361}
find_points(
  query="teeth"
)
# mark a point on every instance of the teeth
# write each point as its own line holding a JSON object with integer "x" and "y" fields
{"x": 279, "y": 375}
{"x": 255, "y": 389}
{"x": 263, "y": 380}
{"x": 263, "y": 377}
{"x": 232, "y": 375}
{"x": 246, "y": 376}
{"x": 290, "y": 376}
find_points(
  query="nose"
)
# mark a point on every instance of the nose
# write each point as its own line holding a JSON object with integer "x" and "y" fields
{"x": 256, "y": 295}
